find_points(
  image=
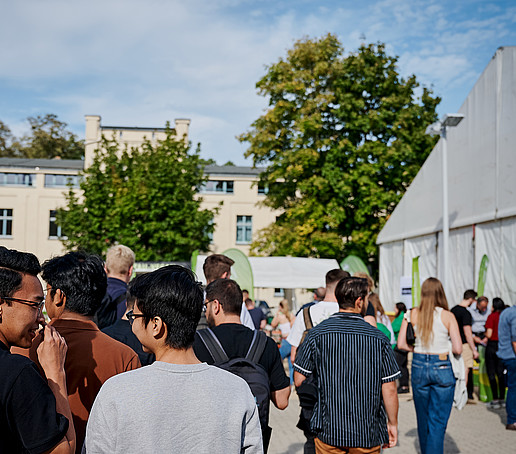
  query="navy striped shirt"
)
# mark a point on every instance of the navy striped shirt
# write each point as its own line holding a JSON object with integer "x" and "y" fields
{"x": 351, "y": 360}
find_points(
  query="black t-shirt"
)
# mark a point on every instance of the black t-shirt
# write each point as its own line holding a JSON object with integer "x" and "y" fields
{"x": 122, "y": 332}
{"x": 28, "y": 418}
{"x": 463, "y": 317}
{"x": 236, "y": 340}
{"x": 257, "y": 315}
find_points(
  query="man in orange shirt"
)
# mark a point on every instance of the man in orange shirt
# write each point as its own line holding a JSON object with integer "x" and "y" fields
{"x": 76, "y": 284}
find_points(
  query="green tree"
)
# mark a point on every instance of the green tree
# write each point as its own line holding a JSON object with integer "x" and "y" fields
{"x": 342, "y": 139}
{"x": 143, "y": 198}
{"x": 5, "y": 139}
{"x": 48, "y": 138}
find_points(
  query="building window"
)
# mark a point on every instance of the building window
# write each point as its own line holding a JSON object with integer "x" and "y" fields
{"x": 262, "y": 189}
{"x": 54, "y": 230}
{"x": 214, "y": 186}
{"x": 279, "y": 292}
{"x": 61, "y": 181}
{"x": 210, "y": 234}
{"x": 17, "y": 179}
{"x": 244, "y": 230}
{"x": 6, "y": 222}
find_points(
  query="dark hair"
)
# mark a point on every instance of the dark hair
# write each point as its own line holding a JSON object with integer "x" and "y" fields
{"x": 470, "y": 294}
{"x": 228, "y": 294}
{"x": 498, "y": 304}
{"x": 348, "y": 290}
{"x": 13, "y": 265}
{"x": 216, "y": 265}
{"x": 130, "y": 300}
{"x": 173, "y": 294}
{"x": 336, "y": 275}
{"x": 482, "y": 298}
{"x": 81, "y": 277}
{"x": 401, "y": 307}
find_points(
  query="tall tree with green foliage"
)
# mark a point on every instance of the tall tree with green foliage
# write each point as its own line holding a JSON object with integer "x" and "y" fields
{"x": 342, "y": 139}
{"x": 48, "y": 138}
{"x": 143, "y": 198}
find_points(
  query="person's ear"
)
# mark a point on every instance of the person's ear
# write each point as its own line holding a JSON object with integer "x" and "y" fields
{"x": 59, "y": 302}
{"x": 217, "y": 307}
{"x": 130, "y": 272}
{"x": 224, "y": 275}
{"x": 159, "y": 329}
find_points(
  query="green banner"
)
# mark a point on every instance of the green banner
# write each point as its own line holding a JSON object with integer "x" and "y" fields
{"x": 482, "y": 275}
{"x": 193, "y": 260}
{"x": 353, "y": 264}
{"x": 241, "y": 271}
{"x": 416, "y": 283}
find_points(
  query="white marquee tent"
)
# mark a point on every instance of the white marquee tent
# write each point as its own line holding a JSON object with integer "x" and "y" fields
{"x": 481, "y": 194}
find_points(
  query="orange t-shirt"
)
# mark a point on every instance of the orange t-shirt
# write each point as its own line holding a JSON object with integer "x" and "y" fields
{"x": 91, "y": 359}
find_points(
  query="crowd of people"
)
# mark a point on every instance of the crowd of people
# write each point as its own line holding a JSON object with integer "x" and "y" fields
{"x": 161, "y": 363}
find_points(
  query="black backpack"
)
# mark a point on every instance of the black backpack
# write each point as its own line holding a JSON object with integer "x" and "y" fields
{"x": 106, "y": 313}
{"x": 247, "y": 368}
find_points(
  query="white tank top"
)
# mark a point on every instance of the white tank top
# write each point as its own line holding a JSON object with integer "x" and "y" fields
{"x": 439, "y": 343}
{"x": 285, "y": 329}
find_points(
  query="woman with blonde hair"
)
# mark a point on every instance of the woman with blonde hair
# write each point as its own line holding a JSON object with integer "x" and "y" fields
{"x": 433, "y": 382}
{"x": 284, "y": 319}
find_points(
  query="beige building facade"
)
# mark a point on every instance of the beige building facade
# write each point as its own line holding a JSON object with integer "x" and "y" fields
{"x": 32, "y": 189}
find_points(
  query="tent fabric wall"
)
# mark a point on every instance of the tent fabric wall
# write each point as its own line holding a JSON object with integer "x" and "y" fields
{"x": 425, "y": 248}
{"x": 508, "y": 256}
{"x": 487, "y": 241}
{"x": 461, "y": 265}
{"x": 391, "y": 270}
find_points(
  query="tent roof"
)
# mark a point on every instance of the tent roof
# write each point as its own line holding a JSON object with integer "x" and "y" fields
{"x": 284, "y": 272}
{"x": 481, "y": 161}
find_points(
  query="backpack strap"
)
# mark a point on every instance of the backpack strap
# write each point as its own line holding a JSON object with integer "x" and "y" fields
{"x": 257, "y": 347}
{"x": 213, "y": 345}
{"x": 308, "y": 318}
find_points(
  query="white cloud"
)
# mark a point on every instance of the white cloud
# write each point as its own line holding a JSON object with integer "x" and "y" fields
{"x": 142, "y": 63}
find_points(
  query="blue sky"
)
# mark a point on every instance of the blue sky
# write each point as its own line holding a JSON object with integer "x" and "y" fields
{"x": 141, "y": 63}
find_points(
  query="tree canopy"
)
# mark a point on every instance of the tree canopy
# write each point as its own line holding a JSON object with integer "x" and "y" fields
{"x": 142, "y": 198}
{"x": 342, "y": 139}
{"x": 48, "y": 138}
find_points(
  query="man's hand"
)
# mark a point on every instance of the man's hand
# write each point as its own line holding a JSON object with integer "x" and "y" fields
{"x": 393, "y": 436}
{"x": 52, "y": 353}
{"x": 475, "y": 354}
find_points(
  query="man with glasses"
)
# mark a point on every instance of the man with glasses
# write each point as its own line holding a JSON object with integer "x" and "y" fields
{"x": 34, "y": 412}
{"x": 76, "y": 284}
{"x": 177, "y": 404}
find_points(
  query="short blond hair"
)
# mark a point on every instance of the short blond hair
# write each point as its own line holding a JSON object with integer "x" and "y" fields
{"x": 119, "y": 259}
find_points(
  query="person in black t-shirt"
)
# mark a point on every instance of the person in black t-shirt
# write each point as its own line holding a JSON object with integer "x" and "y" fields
{"x": 223, "y": 307}
{"x": 464, "y": 320}
{"x": 35, "y": 415}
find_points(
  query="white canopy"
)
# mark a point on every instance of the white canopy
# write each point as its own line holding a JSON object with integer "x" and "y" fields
{"x": 481, "y": 197}
{"x": 284, "y": 272}
{"x": 481, "y": 162}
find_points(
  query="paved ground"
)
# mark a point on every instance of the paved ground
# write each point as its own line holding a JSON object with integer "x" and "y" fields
{"x": 475, "y": 429}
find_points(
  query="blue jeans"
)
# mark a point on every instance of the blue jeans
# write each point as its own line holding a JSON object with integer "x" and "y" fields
{"x": 510, "y": 404}
{"x": 284, "y": 350}
{"x": 433, "y": 386}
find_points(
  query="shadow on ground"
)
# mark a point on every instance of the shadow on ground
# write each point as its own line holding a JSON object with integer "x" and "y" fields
{"x": 450, "y": 447}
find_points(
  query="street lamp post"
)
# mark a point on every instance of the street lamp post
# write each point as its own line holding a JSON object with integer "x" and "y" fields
{"x": 440, "y": 128}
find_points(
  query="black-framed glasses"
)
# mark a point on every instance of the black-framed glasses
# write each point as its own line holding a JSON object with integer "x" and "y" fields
{"x": 35, "y": 304}
{"x": 131, "y": 316}
{"x": 205, "y": 305}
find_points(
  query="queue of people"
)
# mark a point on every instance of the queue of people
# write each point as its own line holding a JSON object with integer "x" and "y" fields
{"x": 210, "y": 373}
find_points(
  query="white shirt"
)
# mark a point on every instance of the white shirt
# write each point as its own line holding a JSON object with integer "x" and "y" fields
{"x": 318, "y": 312}
{"x": 245, "y": 318}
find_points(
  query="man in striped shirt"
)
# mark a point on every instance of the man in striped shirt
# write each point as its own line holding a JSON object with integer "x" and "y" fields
{"x": 357, "y": 408}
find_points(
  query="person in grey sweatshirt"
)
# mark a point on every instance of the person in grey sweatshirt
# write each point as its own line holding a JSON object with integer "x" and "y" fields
{"x": 177, "y": 404}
